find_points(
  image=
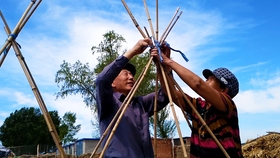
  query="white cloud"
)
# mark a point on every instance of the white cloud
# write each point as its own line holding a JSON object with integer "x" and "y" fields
{"x": 24, "y": 99}
{"x": 259, "y": 101}
{"x": 75, "y": 105}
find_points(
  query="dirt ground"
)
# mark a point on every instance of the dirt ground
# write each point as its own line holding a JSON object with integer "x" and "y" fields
{"x": 267, "y": 146}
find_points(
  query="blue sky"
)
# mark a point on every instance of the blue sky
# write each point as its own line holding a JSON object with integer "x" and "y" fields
{"x": 240, "y": 35}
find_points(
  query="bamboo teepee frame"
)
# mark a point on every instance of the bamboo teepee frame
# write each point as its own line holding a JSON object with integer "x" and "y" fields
{"x": 169, "y": 82}
{"x": 11, "y": 42}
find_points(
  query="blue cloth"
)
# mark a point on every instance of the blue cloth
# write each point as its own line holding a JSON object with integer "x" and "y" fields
{"x": 132, "y": 137}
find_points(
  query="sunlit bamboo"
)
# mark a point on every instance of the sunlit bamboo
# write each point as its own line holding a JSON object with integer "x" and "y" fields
{"x": 156, "y": 20}
{"x": 171, "y": 26}
{"x": 38, "y": 96}
{"x": 170, "y": 23}
{"x": 155, "y": 118}
{"x": 173, "y": 110}
{"x": 149, "y": 18}
{"x": 133, "y": 19}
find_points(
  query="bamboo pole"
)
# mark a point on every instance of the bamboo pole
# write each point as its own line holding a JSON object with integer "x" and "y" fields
{"x": 125, "y": 107}
{"x": 38, "y": 96}
{"x": 174, "y": 95}
{"x": 149, "y": 18}
{"x": 155, "y": 119}
{"x": 155, "y": 108}
{"x": 168, "y": 31}
{"x": 173, "y": 110}
{"x": 163, "y": 35}
{"x": 29, "y": 15}
{"x": 132, "y": 18}
{"x": 7, "y": 30}
{"x": 156, "y": 19}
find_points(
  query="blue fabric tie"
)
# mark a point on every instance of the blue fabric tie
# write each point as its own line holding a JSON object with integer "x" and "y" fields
{"x": 158, "y": 46}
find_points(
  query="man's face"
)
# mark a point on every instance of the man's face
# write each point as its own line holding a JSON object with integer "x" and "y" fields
{"x": 123, "y": 82}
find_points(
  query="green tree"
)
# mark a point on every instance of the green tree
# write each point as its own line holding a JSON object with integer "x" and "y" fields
{"x": 27, "y": 127}
{"x": 76, "y": 79}
{"x": 68, "y": 129}
{"x": 71, "y": 77}
{"x": 165, "y": 127}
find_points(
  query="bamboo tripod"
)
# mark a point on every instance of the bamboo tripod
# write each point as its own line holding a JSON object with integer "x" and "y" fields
{"x": 11, "y": 41}
{"x": 169, "y": 82}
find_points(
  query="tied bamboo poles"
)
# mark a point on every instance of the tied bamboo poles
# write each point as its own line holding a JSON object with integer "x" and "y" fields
{"x": 155, "y": 108}
{"x": 113, "y": 120}
{"x": 11, "y": 42}
{"x": 164, "y": 35}
{"x": 110, "y": 137}
{"x": 12, "y": 36}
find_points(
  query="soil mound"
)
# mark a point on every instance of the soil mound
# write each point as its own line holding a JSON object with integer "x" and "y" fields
{"x": 267, "y": 146}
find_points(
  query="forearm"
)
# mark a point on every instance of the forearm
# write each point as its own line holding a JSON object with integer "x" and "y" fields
{"x": 190, "y": 78}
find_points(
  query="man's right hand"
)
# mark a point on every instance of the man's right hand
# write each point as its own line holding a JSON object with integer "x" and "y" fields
{"x": 139, "y": 47}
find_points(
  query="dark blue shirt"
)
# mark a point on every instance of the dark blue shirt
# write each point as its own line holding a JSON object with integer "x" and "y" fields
{"x": 132, "y": 137}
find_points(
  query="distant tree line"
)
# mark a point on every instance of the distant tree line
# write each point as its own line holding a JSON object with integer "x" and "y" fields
{"x": 27, "y": 126}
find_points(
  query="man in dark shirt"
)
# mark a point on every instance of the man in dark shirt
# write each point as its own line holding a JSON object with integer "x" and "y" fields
{"x": 131, "y": 138}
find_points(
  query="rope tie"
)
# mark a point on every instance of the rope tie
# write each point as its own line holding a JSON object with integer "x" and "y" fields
{"x": 158, "y": 46}
{"x": 182, "y": 54}
{"x": 13, "y": 35}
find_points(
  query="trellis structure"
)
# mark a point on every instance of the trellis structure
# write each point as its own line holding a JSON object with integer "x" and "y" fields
{"x": 169, "y": 82}
{"x": 11, "y": 42}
